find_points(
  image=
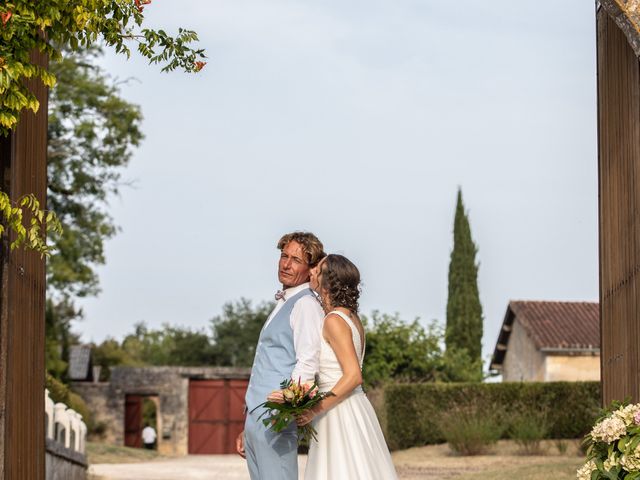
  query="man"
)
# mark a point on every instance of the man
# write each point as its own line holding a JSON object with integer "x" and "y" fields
{"x": 288, "y": 347}
{"x": 149, "y": 437}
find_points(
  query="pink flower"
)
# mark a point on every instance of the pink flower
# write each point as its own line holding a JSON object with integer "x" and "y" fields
{"x": 5, "y": 16}
{"x": 636, "y": 418}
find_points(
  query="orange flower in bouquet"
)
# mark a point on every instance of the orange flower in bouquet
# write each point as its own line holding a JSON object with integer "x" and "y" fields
{"x": 295, "y": 399}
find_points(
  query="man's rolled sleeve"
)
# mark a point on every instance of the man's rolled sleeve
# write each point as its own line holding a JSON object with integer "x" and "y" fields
{"x": 306, "y": 321}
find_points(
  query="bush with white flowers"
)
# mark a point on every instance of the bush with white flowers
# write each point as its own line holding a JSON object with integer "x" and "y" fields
{"x": 613, "y": 451}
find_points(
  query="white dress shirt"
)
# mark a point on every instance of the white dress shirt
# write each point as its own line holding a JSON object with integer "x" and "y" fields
{"x": 306, "y": 321}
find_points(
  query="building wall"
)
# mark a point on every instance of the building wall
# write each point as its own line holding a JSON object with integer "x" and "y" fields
{"x": 171, "y": 387}
{"x": 522, "y": 362}
{"x": 572, "y": 368}
{"x": 106, "y": 404}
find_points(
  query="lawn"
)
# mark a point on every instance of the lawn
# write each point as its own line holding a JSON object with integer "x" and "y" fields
{"x": 433, "y": 462}
{"x": 104, "y": 453}
{"x": 556, "y": 469}
{"x": 505, "y": 462}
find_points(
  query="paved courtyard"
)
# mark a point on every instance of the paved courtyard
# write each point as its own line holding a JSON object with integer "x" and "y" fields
{"x": 192, "y": 467}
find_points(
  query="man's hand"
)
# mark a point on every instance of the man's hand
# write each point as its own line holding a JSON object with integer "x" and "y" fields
{"x": 240, "y": 445}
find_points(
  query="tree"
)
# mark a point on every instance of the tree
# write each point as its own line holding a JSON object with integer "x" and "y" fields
{"x": 91, "y": 136}
{"x": 166, "y": 346}
{"x": 111, "y": 354}
{"x": 236, "y": 332}
{"x": 58, "y": 335}
{"x": 401, "y": 351}
{"x": 92, "y": 132}
{"x": 463, "y": 334}
{"x": 169, "y": 345}
{"x": 50, "y": 27}
{"x": 77, "y": 24}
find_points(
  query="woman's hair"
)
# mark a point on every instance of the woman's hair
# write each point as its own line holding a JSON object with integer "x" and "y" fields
{"x": 311, "y": 246}
{"x": 341, "y": 282}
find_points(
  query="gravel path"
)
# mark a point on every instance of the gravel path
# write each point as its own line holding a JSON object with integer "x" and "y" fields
{"x": 192, "y": 467}
{"x": 232, "y": 467}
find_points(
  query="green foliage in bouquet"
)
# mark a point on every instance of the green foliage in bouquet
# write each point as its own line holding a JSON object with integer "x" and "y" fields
{"x": 298, "y": 398}
{"x": 613, "y": 445}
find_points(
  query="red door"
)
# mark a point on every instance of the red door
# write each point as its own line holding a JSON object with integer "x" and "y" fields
{"x": 133, "y": 421}
{"x": 215, "y": 415}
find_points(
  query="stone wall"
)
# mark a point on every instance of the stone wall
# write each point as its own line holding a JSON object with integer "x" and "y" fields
{"x": 169, "y": 385}
{"x": 106, "y": 404}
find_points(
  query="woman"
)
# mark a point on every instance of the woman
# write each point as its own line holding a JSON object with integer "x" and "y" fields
{"x": 350, "y": 442}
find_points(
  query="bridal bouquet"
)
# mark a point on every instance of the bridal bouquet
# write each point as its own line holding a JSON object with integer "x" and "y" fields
{"x": 297, "y": 398}
{"x": 614, "y": 445}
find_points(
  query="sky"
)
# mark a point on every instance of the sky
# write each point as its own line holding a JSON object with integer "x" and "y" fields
{"x": 358, "y": 121}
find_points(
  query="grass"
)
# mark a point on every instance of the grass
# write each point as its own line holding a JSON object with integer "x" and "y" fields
{"x": 556, "y": 469}
{"x": 505, "y": 461}
{"x": 104, "y": 453}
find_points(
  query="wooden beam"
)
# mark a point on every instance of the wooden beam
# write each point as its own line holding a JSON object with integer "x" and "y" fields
{"x": 619, "y": 210}
{"x": 23, "y": 170}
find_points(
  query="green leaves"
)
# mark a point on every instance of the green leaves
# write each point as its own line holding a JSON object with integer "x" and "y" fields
{"x": 29, "y": 230}
{"x": 236, "y": 332}
{"x": 464, "y": 311}
{"x": 92, "y": 134}
{"x": 77, "y": 24}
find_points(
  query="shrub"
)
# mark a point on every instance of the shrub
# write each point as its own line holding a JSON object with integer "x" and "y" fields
{"x": 413, "y": 409}
{"x": 527, "y": 429}
{"x": 562, "y": 446}
{"x": 469, "y": 431}
{"x": 59, "y": 392}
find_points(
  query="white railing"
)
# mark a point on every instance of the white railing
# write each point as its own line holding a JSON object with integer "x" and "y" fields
{"x": 64, "y": 425}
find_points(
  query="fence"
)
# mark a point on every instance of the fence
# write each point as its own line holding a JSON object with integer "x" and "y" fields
{"x": 65, "y": 442}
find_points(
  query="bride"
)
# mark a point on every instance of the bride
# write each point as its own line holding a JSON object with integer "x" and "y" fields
{"x": 350, "y": 442}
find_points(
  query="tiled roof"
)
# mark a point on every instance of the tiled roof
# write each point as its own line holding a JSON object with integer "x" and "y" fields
{"x": 560, "y": 324}
{"x": 551, "y": 326}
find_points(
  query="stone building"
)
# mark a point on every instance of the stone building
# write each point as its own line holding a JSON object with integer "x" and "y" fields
{"x": 198, "y": 409}
{"x": 548, "y": 341}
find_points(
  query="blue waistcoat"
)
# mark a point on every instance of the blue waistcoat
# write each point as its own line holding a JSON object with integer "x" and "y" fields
{"x": 275, "y": 356}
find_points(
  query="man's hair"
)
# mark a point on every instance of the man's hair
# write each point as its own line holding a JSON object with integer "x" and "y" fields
{"x": 311, "y": 246}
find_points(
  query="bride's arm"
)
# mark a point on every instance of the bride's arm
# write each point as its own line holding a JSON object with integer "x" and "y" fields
{"x": 338, "y": 334}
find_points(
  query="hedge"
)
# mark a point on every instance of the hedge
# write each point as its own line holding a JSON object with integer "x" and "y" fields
{"x": 411, "y": 409}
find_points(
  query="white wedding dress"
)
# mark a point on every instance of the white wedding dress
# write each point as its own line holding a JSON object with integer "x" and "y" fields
{"x": 350, "y": 443}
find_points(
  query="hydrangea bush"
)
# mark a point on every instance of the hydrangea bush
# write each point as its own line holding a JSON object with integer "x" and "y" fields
{"x": 613, "y": 445}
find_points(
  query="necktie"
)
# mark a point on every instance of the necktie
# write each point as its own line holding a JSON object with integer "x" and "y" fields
{"x": 279, "y": 295}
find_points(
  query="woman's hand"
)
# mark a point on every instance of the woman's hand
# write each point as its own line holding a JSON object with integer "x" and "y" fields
{"x": 305, "y": 418}
{"x": 276, "y": 396}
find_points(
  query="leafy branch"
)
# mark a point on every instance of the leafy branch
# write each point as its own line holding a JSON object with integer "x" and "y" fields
{"x": 28, "y": 229}
{"x": 51, "y": 27}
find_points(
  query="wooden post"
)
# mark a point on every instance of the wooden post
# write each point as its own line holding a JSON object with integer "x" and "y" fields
{"x": 23, "y": 170}
{"x": 619, "y": 211}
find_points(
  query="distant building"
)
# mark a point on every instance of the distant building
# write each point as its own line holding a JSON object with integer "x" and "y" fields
{"x": 80, "y": 365}
{"x": 549, "y": 341}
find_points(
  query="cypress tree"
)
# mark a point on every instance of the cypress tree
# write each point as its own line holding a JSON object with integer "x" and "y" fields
{"x": 464, "y": 311}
